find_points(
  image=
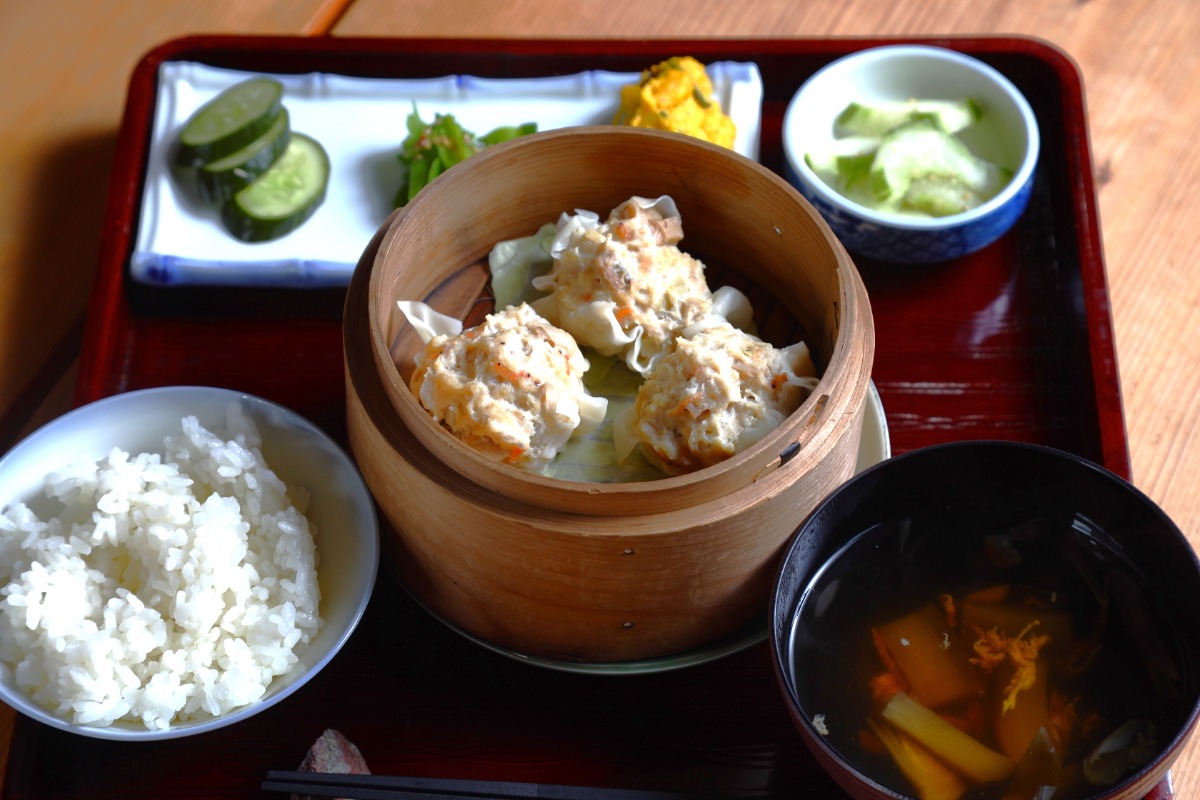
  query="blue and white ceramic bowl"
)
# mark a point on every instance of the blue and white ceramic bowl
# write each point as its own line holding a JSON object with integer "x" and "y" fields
{"x": 1007, "y": 135}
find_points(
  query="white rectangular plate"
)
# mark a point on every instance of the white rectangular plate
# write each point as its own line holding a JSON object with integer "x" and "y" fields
{"x": 361, "y": 123}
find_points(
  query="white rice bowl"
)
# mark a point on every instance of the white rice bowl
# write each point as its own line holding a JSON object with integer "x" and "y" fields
{"x": 154, "y": 591}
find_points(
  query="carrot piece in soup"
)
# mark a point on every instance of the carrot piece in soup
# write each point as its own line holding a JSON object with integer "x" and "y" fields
{"x": 1065, "y": 722}
{"x": 886, "y": 684}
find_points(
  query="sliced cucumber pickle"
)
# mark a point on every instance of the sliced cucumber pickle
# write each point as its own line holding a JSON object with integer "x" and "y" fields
{"x": 283, "y": 197}
{"x": 845, "y": 164}
{"x": 876, "y": 119}
{"x": 230, "y": 121}
{"x": 906, "y": 157}
{"x": 941, "y": 195}
{"x": 920, "y": 152}
{"x": 219, "y": 180}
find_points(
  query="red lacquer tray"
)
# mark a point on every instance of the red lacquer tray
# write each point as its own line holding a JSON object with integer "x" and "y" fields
{"x": 1014, "y": 342}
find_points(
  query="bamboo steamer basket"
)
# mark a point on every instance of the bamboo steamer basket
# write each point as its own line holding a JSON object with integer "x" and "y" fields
{"x": 584, "y": 572}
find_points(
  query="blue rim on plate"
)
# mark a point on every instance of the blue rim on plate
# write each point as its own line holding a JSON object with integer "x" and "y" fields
{"x": 360, "y": 122}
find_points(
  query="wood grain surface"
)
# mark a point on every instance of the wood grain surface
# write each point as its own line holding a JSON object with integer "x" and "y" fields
{"x": 69, "y": 62}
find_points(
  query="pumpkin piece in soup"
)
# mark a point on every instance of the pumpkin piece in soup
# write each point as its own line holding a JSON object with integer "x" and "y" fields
{"x": 676, "y": 95}
{"x": 1016, "y": 728}
{"x": 1011, "y": 617}
{"x": 927, "y": 656}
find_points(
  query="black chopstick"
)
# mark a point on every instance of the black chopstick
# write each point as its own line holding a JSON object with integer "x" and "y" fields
{"x": 387, "y": 787}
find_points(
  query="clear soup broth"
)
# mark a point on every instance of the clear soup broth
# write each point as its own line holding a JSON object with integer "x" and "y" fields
{"x": 971, "y": 656}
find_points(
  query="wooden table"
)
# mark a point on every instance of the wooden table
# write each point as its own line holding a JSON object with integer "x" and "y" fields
{"x": 69, "y": 64}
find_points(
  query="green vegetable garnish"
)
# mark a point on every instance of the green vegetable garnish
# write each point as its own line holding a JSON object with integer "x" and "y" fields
{"x": 907, "y": 157}
{"x": 431, "y": 148}
{"x": 507, "y": 132}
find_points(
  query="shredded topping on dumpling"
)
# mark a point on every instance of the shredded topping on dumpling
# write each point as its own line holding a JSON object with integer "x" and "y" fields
{"x": 623, "y": 287}
{"x": 511, "y": 388}
{"x": 718, "y": 392}
{"x": 695, "y": 386}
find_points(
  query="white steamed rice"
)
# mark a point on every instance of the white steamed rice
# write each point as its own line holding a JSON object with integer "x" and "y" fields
{"x": 165, "y": 588}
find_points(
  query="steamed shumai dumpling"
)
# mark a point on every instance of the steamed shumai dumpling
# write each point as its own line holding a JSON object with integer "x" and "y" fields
{"x": 511, "y": 387}
{"x": 718, "y": 392}
{"x": 622, "y": 286}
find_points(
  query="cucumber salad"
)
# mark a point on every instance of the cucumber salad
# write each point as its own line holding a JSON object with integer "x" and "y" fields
{"x": 906, "y": 157}
{"x": 265, "y": 178}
